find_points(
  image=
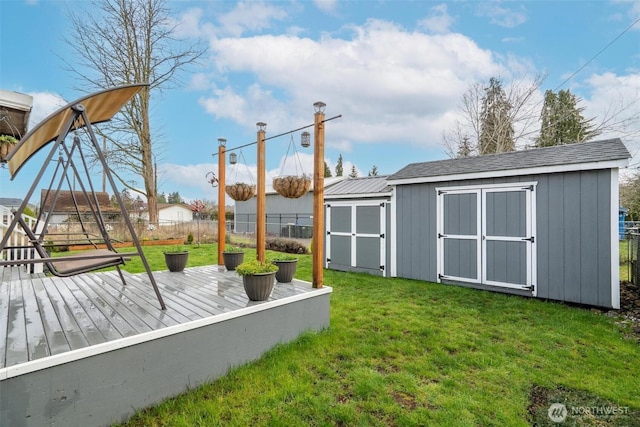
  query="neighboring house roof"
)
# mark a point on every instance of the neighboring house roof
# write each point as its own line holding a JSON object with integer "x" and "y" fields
{"x": 598, "y": 154}
{"x": 9, "y": 202}
{"x": 162, "y": 206}
{"x": 368, "y": 186}
{"x": 65, "y": 203}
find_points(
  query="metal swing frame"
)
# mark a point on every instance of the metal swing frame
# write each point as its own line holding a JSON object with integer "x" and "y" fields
{"x": 80, "y": 114}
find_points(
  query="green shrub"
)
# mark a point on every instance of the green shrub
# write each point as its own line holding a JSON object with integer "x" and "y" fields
{"x": 232, "y": 249}
{"x": 190, "y": 239}
{"x": 283, "y": 257}
{"x": 286, "y": 245}
{"x": 255, "y": 267}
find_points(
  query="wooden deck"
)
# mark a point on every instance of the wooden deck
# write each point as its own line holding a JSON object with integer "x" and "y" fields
{"x": 115, "y": 333}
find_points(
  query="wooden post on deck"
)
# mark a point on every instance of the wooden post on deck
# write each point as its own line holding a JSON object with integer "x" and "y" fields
{"x": 261, "y": 196}
{"x": 222, "y": 235}
{"x": 317, "y": 245}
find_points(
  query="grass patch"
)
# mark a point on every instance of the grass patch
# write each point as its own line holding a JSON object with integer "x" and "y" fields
{"x": 408, "y": 353}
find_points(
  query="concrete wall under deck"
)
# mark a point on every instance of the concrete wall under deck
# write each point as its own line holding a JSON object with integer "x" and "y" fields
{"x": 107, "y": 387}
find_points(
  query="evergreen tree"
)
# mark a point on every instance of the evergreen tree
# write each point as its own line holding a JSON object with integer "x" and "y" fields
{"x": 174, "y": 198}
{"x": 354, "y": 172}
{"x": 339, "y": 166}
{"x": 162, "y": 198}
{"x": 562, "y": 121}
{"x": 496, "y": 127}
{"x": 327, "y": 170}
{"x": 465, "y": 148}
{"x": 373, "y": 171}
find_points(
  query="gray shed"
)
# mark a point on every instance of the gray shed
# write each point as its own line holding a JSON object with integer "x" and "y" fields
{"x": 358, "y": 225}
{"x": 540, "y": 222}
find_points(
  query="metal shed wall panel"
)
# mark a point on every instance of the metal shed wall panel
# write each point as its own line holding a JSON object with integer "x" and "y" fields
{"x": 573, "y": 238}
{"x": 275, "y": 206}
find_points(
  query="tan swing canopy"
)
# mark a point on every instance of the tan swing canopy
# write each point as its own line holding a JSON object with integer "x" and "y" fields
{"x": 99, "y": 106}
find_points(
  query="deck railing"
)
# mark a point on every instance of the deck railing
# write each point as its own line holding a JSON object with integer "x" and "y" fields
{"x": 18, "y": 238}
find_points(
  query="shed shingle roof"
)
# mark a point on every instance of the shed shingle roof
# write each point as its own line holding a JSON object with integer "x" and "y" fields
{"x": 569, "y": 154}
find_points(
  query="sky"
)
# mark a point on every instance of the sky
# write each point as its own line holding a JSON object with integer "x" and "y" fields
{"x": 393, "y": 71}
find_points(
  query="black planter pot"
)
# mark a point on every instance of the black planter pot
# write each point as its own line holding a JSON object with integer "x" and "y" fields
{"x": 176, "y": 261}
{"x": 286, "y": 270}
{"x": 259, "y": 286}
{"x": 232, "y": 259}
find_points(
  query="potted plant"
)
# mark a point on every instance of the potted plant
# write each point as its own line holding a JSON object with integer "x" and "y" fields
{"x": 258, "y": 278}
{"x": 232, "y": 257}
{"x": 176, "y": 258}
{"x": 287, "y": 265}
{"x": 7, "y": 142}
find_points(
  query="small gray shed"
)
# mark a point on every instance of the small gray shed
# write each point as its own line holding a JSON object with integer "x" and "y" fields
{"x": 358, "y": 226}
{"x": 540, "y": 222}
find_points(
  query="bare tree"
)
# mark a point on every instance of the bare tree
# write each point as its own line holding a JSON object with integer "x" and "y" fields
{"x": 124, "y": 42}
{"x": 522, "y": 115}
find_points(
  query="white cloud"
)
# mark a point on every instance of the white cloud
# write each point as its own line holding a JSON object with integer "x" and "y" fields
{"x": 389, "y": 84}
{"x": 501, "y": 15}
{"x": 615, "y": 103}
{"x": 439, "y": 21}
{"x": 44, "y": 103}
{"x": 326, "y": 5}
{"x": 250, "y": 16}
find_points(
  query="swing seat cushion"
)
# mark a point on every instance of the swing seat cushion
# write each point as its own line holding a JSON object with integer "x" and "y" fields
{"x": 90, "y": 263}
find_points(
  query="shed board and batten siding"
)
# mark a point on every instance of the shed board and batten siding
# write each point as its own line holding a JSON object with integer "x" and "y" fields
{"x": 575, "y": 210}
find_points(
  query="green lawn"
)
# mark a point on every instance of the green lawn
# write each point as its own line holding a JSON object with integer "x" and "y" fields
{"x": 409, "y": 353}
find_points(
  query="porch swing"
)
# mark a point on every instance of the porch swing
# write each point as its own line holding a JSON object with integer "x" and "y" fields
{"x": 77, "y": 116}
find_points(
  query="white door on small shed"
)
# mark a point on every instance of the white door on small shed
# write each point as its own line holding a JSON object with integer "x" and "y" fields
{"x": 355, "y": 239}
{"x": 487, "y": 235}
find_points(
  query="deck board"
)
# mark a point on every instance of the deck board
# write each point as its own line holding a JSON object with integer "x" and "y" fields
{"x": 42, "y": 315}
{"x": 52, "y": 328}
{"x": 4, "y": 313}
{"x": 38, "y": 346}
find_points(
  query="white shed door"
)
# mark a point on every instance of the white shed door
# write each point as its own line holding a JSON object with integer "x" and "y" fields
{"x": 355, "y": 238}
{"x": 486, "y": 235}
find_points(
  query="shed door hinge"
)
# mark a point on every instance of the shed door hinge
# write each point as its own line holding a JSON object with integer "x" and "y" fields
{"x": 382, "y": 267}
{"x": 382, "y": 236}
{"x": 531, "y": 239}
{"x": 382, "y": 205}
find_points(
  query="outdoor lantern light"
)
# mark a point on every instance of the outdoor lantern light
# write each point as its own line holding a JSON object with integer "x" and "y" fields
{"x": 261, "y": 126}
{"x": 319, "y": 106}
{"x": 233, "y": 158}
{"x": 222, "y": 141}
{"x": 305, "y": 139}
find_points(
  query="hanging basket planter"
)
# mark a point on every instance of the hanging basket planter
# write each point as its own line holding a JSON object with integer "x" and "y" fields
{"x": 240, "y": 192}
{"x": 292, "y": 187}
{"x": 7, "y": 142}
